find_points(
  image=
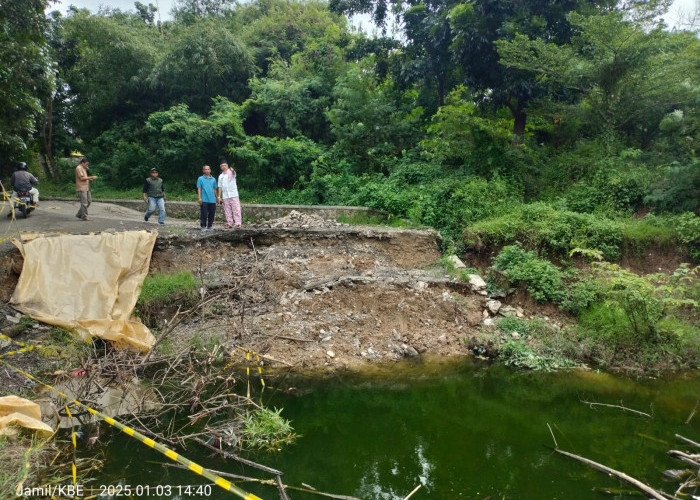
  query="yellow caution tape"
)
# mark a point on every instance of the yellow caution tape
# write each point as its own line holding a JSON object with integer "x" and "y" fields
{"x": 198, "y": 469}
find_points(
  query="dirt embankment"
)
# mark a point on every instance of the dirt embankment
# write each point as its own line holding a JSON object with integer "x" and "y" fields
{"x": 313, "y": 293}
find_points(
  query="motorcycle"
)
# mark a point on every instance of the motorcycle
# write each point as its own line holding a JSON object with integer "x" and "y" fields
{"x": 24, "y": 204}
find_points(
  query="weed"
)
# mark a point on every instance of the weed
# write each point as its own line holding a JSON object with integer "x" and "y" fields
{"x": 518, "y": 354}
{"x": 25, "y": 323}
{"x": 265, "y": 429}
{"x": 365, "y": 219}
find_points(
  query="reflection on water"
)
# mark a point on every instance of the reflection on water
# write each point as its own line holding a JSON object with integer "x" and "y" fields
{"x": 372, "y": 485}
{"x": 463, "y": 431}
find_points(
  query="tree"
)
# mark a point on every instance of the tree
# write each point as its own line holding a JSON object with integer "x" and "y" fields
{"x": 146, "y": 12}
{"x": 26, "y": 75}
{"x": 428, "y": 56}
{"x": 189, "y": 11}
{"x": 276, "y": 30}
{"x": 202, "y": 61}
{"x": 372, "y": 120}
{"x": 628, "y": 76}
{"x": 479, "y": 25}
{"x": 108, "y": 81}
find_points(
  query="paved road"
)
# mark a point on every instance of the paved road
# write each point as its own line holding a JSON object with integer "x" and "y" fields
{"x": 59, "y": 217}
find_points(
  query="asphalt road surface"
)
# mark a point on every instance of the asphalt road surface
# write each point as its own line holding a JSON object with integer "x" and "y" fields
{"x": 59, "y": 217}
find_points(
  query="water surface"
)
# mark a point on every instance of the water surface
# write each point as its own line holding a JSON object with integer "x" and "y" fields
{"x": 464, "y": 430}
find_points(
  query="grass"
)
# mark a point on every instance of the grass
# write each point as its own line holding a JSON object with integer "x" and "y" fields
{"x": 458, "y": 274}
{"x": 160, "y": 290}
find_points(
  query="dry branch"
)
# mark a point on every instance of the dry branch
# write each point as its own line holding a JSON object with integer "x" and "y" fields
{"x": 621, "y": 407}
{"x": 648, "y": 490}
{"x": 697, "y": 445}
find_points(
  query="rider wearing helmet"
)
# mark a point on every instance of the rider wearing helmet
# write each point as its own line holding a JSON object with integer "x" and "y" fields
{"x": 22, "y": 180}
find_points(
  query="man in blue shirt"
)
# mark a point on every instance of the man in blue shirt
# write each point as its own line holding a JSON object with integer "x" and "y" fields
{"x": 206, "y": 194}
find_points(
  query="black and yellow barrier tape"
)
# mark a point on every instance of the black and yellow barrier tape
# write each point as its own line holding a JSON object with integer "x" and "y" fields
{"x": 75, "y": 444}
{"x": 24, "y": 347}
{"x": 196, "y": 468}
{"x": 248, "y": 353}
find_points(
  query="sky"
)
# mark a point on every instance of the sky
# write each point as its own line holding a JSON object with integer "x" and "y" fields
{"x": 680, "y": 9}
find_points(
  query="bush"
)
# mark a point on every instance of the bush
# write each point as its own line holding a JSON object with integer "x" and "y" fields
{"x": 265, "y": 429}
{"x": 543, "y": 279}
{"x": 518, "y": 354}
{"x": 542, "y": 227}
{"x": 580, "y": 295}
{"x": 688, "y": 227}
{"x": 642, "y": 317}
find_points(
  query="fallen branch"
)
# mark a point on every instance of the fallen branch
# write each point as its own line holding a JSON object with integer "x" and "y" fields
{"x": 692, "y": 413}
{"x": 693, "y": 460}
{"x": 295, "y": 339}
{"x": 697, "y": 445}
{"x": 411, "y": 493}
{"x": 651, "y": 492}
{"x": 270, "y": 482}
{"x": 280, "y": 486}
{"x": 245, "y": 461}
{"x": 623, "y": 408}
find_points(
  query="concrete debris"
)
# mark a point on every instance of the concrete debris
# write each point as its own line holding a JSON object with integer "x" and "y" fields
{"x": 295, "y": 219}
{"x": 456, "y": 262}
{"x": 493, "y": 306}
{"x": 476, "y": 282}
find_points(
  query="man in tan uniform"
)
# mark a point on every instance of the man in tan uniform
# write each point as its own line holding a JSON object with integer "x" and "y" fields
{"x": 82, "y": 186}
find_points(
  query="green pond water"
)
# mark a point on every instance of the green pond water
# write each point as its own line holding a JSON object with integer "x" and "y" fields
{"x": 466, "y": 430}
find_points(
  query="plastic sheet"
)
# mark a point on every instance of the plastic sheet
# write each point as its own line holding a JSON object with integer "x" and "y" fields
{"x": 19, "y": 412}
{"x": 88, "y": 284}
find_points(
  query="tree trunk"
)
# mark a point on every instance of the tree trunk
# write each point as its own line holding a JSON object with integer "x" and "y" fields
{"x": 47, "y": 160}
{"x": 519, "y": 120}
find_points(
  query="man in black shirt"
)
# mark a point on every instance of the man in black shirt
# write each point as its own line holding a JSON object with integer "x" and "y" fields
{"x": 154, "y": 194}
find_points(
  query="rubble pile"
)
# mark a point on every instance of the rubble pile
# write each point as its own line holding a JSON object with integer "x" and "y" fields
{"x": 299, "y": 220}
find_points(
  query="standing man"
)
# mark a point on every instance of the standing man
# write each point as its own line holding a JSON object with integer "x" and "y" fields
{"x": 206, "y": 192}
{"x": 228, "y": 196}
{"x": 82, "y": 186}
{"x": 154, "y": 190}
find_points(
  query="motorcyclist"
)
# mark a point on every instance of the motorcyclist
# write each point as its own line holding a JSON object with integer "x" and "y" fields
{"x": 22, "y": 180}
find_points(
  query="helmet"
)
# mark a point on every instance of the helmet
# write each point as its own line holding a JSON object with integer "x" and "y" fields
{"x": 22, "y": 166}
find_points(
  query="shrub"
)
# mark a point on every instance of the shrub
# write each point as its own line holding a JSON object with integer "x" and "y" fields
{"x": 518, "y": 354}
{"x": 542, "y": 227}
{"x": 265, "y": 429}
{"x": 688, "y": 227}
{"x": 643, "y": 316}
{"x": 580, "y": 295}
{"x": 543, "y": 279}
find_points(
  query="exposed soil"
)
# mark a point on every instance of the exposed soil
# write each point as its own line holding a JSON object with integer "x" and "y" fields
{"x": 324, "y": 294}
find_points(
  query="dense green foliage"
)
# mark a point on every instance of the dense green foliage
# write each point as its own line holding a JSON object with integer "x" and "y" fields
{"x": 585, "y": 105}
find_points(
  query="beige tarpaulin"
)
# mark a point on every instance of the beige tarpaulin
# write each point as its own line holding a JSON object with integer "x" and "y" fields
{"x": 87, "y": 283}
{"x": 16, "y": 411}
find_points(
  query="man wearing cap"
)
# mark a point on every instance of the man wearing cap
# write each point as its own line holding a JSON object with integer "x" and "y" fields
{"x": 82, "y": 187}
{"x": 154, "y": 194}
